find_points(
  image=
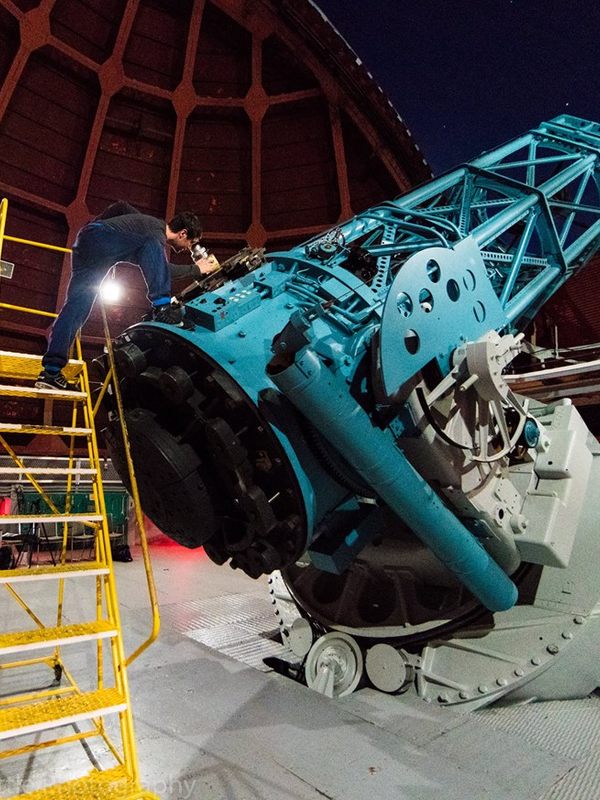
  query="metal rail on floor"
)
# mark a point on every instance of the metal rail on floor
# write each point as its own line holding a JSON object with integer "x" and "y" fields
{"x": 72, "y": 699}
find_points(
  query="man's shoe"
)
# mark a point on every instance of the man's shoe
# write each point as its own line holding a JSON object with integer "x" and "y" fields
{"x": 169, "y": 314}
{"x": 52, "y": 380}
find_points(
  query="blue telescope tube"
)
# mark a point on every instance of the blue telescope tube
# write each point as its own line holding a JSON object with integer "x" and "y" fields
{"x": 323, "y": 398}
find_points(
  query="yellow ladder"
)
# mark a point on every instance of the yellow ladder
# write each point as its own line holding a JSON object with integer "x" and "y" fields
{"x": 91, "y": 707}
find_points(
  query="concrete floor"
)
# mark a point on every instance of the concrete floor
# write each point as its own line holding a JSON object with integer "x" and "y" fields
{"x": 212, "y": 724}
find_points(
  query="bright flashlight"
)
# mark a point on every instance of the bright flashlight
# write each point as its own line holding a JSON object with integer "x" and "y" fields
{"x": 111, "y": 291}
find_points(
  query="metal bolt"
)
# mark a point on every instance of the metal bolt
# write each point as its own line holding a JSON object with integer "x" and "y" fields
{"x": 289, "y": 305}
{"x": 552, "y": 649}
{"x": 536, "y": 661}
{"x": 578, "y": 620}
{"x": 242, "y": 334}
{"x": 463, "y": 695}
{"x": 482, "y": 689}
{"x": 519, "y": 672}
{"x": 501, "y": 681}
{"x": 567, "y": 635}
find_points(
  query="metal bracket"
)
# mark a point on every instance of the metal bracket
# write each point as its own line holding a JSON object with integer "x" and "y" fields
{"x": 6, "y": 269}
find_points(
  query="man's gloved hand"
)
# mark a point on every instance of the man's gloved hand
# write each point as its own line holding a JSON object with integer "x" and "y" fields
{"x": 206, "y": 263}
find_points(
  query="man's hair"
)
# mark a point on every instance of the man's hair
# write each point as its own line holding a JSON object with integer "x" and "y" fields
{"x": 189, "y": 221}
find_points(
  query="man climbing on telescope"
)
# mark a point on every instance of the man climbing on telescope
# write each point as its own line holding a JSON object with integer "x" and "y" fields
{"x": 120, "y": 233}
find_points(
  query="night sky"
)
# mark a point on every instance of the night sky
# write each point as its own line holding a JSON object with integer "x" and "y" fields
{"x": 467, "y": 75}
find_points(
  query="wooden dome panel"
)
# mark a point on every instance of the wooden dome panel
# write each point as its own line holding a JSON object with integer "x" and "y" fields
{"x": 282, "y": 70}
{"x": 223, "y": 64}
{"x": 89, "y": 26}
{"x": 218, "y": 169}
{"x": 27, "y": 5}
{"x": 156, "y": 46}
{"x": 35, "y": 282}
{"x": 368, "y": 180}
{"x": 9, "y": 42}
{"x": 44, "y": 135}
{"x": 133, "y": 159}
{"x": 299, "y": 179}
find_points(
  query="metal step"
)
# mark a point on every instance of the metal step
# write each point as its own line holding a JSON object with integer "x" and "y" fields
{"x": 51, "y": 637}
{"x": 77, "y": 570}
{"x": 53, "y": 713}
{"x": 111, "y": 784}
{"x": 47, "y": 470}
{"x": 32, "y": 391}
{"x": 47, "y": 519}
{"x": 48, "y": 430}
{"x": 25, "y": 366}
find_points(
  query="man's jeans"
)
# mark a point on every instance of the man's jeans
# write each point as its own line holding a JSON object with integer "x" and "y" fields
{"x": 96, "y": 249}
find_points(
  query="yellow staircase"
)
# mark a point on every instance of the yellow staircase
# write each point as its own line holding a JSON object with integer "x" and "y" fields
{"x": 90, "y": 705}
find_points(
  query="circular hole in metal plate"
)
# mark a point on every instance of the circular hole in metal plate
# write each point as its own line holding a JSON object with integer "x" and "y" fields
{"x": 479, "y": 311}
{"x": 469, "y": 280}
{"x": 412, "y": 342}
{"x": 426, "y": 300}
{"x": 453, "y": 290}
{"x": 434, "y": 273}
{"x": 404, "y": 304}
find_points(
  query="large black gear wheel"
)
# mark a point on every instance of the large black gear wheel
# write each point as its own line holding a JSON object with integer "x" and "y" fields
{"x": 182, "y": 509}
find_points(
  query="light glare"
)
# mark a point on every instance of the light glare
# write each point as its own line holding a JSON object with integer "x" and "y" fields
{"x": 111, "y": 291}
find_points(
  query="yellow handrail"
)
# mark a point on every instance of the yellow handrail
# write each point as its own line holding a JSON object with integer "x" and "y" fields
{"x": 3, "y": 213}
{"x": 25, "y": 310}
{"x": 136, "y": 500}
{"x": 42, "y": 245}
